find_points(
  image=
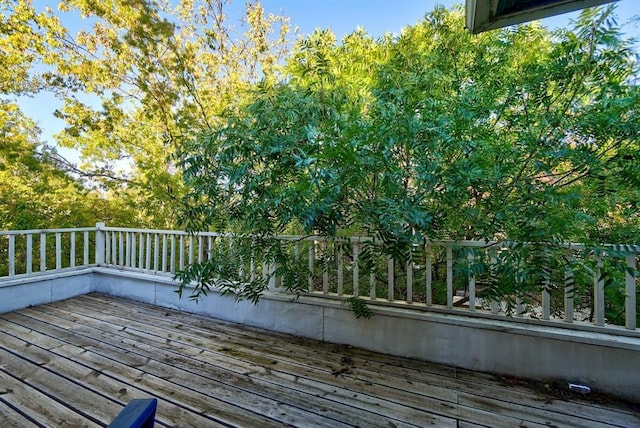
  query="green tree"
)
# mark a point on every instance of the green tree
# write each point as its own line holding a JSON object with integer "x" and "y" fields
{"x": 141, "y": 76}
{"x": 35, "y": 191}
{"x": 517, "y": 134}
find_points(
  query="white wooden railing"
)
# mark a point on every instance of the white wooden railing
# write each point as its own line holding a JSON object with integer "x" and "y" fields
{"x": 25, "y": 252}
{"x": 431, "y": 280}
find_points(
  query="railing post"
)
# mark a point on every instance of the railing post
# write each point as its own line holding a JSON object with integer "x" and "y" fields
{"x": 100, "y": 242}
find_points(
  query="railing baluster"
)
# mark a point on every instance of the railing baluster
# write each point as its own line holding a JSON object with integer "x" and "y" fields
{"x": 114, "y": 245}
{"x": 200, "y": 248}
{"x": 472, "y": 283}
{"x": 273, "y": 285}
{"x": 107, "y": 249}
{"x": 630, "y": 289}
{"x": 164, "y": 252}
{"x": 546, "y": 300}
{"x": 156, "y": 252}
{"x": 127, "y": 255}
{"x": 58, "y": 250}
{"x": 568, "y": 294}
{"x": 409, "y": 269}
{"x": 325, "y": 269}
{"x": 495, "y": 305}
{"x": 172, "y": 265}
{"x": 72, "y": 250}
{"x": 191, "y": 249}
{"x": 121, "y": 249}
{"x": 519, "y": 305}
{"x": 29, "y": 253}
{"x": 372, "y": 284}
{"x": 356, "y": 270}
{"x": 252, "y": 263}
{"x": 181, "y": 264}
{"x": 428, "y": 265}
{"x": 312, "y": 257}
{"x": 390, "y": 278}
{"x": 43, "y": 252}
{"x": 141, "y": 252}
{"x": 598, "y": 293}
{"x": 340, "y": 269}
{"x": 241, "y": 265}
{"x": 147, "y": 264}
{"x": 519, "y": 280}
{"x": 134, "y": 249}
{"x": 85, "y": 249}
{"x": 12, "y": 255}
{"x": 449, "y": 275}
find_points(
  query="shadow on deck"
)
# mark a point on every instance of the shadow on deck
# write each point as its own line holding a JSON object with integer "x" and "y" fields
{"x": 79, "y": 361}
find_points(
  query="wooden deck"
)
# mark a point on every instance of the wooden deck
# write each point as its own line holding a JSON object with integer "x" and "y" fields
{"x": 78, "y": 362}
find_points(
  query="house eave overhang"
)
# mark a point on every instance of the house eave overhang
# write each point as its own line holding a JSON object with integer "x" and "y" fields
{"x": 484, "y": 15}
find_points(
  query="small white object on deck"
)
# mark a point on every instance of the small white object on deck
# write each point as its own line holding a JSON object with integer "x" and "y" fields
{"x": 580, "y": 389}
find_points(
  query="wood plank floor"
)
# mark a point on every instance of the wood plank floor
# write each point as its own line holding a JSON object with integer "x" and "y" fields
{"x": 78, "y": 362}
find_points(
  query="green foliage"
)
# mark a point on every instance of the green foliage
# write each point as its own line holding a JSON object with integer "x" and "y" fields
{"x": 517, "y": 134}
{"x": 136, "y": 79}
{"x": 359, "y": 307}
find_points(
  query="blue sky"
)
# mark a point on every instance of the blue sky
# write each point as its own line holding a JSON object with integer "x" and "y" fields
{"x": 378, "y": 16}
{"x": 342, "y": 16}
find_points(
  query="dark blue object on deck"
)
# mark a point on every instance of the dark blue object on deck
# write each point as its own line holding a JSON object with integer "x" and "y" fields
{"x": 139, "y": 413}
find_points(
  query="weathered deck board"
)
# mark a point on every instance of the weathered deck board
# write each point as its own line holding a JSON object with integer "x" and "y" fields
{"x": 433, "y": 378}
{"x": 40, "y": 408}
{"x": 78, "y": 362}
{"x": 242, "y": 413}
{"x": 235, "y": 372}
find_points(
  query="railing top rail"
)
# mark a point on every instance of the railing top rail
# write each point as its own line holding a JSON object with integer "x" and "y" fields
{"x": 627, "y": 248}
{"x": 163, "y": 231}
{"x": 39, "y": 231}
